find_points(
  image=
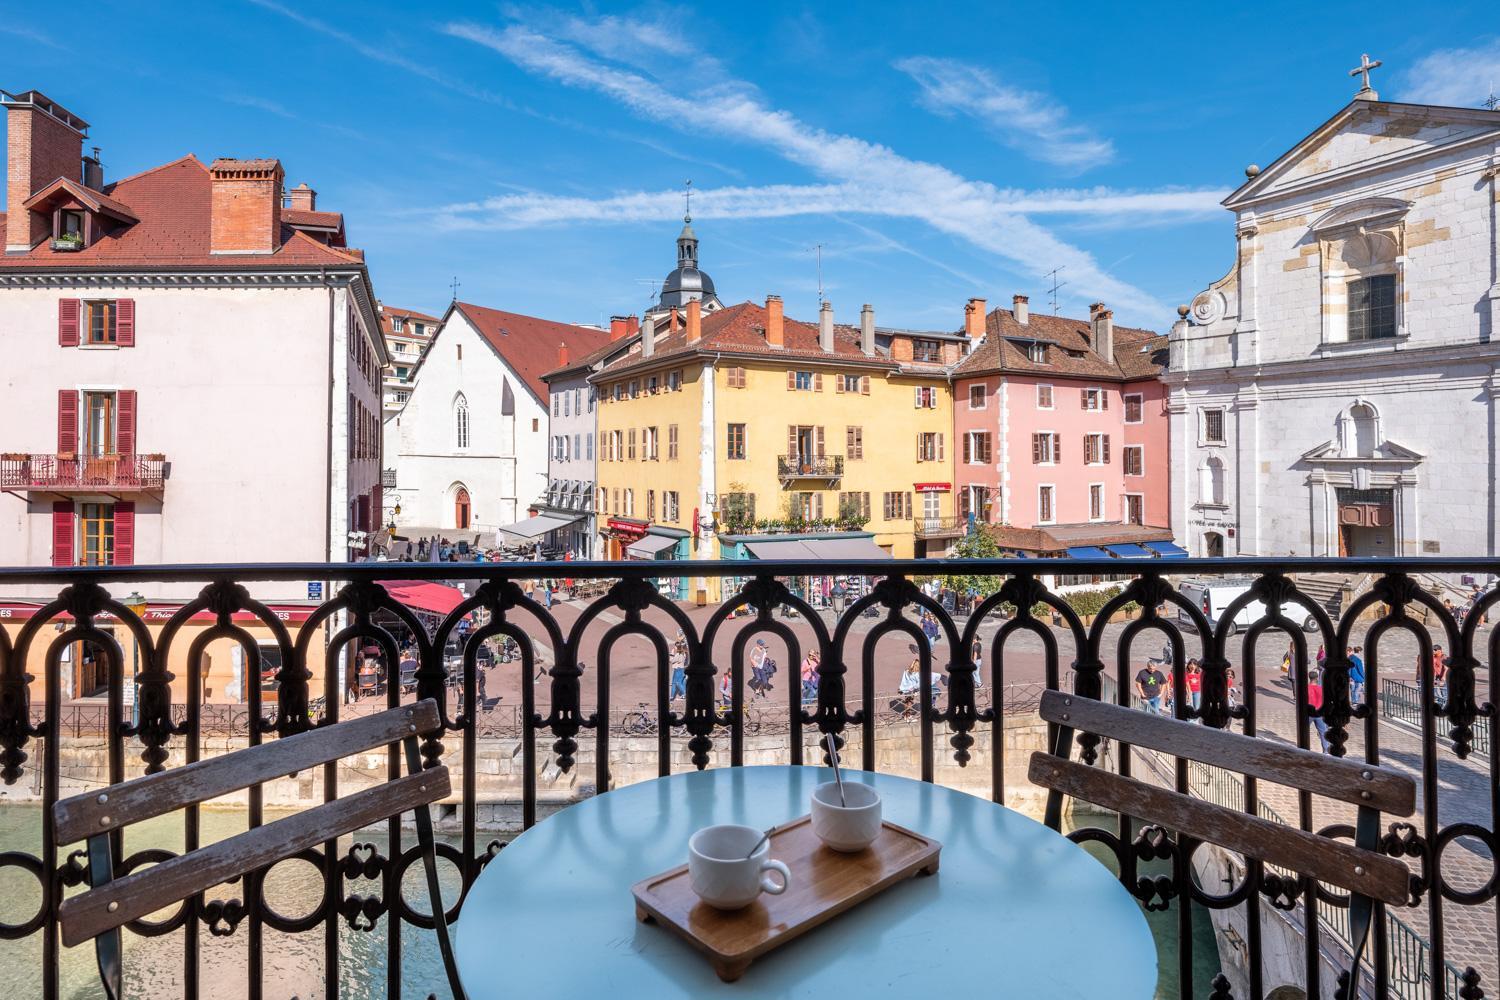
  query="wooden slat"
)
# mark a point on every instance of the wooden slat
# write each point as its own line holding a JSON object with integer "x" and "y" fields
{"x": 149, "y": 889}
{"x": 1332, "y": 861}
{"x": 1333, "y": 777}
{"x": 154, "y": 794}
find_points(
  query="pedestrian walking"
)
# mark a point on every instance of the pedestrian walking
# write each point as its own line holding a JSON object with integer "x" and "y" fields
{"x": 1315, "y": 701}
{"x": 1356, "y": 675}
{"x": 976, "y": 657}
{"x": 1440, "y": 664}
{"x": 1194, "y": 681}
{"x": 678, "y": 658}
{"x": 810, "y": 664}
{"x": 1149, "y": 683}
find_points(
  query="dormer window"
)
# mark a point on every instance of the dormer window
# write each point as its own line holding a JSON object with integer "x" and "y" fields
{"x": 1036, "y": 353}
{"x": 395, "y": 324}
{"x": 926, "y": 350}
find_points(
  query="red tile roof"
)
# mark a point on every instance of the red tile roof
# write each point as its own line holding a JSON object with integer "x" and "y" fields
{"x": 1137, "y": 354}
{"x": 1061, "y": 537}
{"x": 577, "y": 364}
{"x": 320, "y": 220}
{"x": 741, "y": 330}
{"x": 173, "y": 204}
{"x": 62, "y": 188}
{"x": 529, "y": 345}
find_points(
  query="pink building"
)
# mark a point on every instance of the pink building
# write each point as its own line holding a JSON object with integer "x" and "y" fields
{"x": 194, "y": 363}
{"x": 1062, "y": 432}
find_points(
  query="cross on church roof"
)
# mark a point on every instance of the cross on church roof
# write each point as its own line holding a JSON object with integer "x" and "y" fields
{"x": 1363, "y": 71}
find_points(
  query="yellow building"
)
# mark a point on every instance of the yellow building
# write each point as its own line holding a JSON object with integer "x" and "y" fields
{"x": 764, "y": 426}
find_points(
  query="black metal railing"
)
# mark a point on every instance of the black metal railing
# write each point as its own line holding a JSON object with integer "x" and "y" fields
{"x": 940, "y": 527}
{"x": 1401, "y": 703}
{"x": 809, "y": 467}
{"x": 566, "y": 716}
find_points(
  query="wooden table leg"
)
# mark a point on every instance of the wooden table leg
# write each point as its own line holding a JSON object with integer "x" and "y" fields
{"x": 730, "y": 971}
{"x": 643, "y": 915}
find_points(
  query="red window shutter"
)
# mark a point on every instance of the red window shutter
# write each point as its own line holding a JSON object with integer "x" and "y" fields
{"x": 817, "y": 381}
{"x": 1106, "y": 449}
{"x": 818, "y": 436}
{"x": 67, "y": 422}
{"x": 1036, "y": 449}
{"x": 1057, "y": 448}
{"x": 62, "y": 533}
{"x": 968, "y": 452}
{"x": 864, "y": 385}
{"x": 67, "y": 320}
{"x": 125, "y": 410}
{"x": 838, "y": 383}
{"x": 791, "y": 379}
{"x": 1104, "y": 399}
{"x": 124, "y": 533}
{"x": 125, "y": 322}
{"x": 1083, "y": 399}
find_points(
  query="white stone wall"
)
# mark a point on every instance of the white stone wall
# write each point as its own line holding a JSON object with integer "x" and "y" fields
{"x": 504, "y": 466}
{"x": 1266, "y": 343}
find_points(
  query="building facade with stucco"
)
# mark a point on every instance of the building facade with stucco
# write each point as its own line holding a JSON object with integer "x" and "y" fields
{"x": 1337, "y": 392}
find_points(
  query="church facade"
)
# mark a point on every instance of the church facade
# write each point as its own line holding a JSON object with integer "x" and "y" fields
{"x": 1338, "y": 391}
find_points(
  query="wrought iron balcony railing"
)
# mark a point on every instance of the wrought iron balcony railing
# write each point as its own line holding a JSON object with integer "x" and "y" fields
{"x": 569, "y": 721}
{"x": 807, "y": 467}
{"x": 941, "y": 527}
{"x": 76, "y": 473}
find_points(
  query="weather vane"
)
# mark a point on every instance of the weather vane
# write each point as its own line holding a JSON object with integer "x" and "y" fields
{"x": 455, "y": 288}
{"x": 687, "y": 200}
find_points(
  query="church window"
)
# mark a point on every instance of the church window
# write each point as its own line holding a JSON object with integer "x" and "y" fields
{"x": 461, "y": 421}
{"x": 1372, "y": 307}
{"x": 1213, "y": 426}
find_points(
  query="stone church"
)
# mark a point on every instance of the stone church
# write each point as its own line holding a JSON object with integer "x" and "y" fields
{"x": 1338, "y": 391}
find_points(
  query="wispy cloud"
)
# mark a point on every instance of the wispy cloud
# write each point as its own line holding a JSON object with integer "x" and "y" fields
{"x": 31, "y": 35}
{"x": 1031, "y": 122}
{"x": 260, "y": 104}
{"x": 861, "y": 176}
{"x": 1459, "y": 78}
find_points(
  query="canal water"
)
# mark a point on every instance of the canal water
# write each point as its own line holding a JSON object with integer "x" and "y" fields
{"x": 294, "y": 962}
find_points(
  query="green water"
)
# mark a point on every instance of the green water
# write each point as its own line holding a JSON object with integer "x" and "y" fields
{"x": 294, "y": 962}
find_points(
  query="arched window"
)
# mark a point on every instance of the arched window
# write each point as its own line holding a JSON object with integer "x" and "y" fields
{"x": 1211, "y": 480}
{"x": 461, "y": 421}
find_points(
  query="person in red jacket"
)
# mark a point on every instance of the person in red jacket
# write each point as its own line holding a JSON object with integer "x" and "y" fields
{"x": 1315, "y": 701}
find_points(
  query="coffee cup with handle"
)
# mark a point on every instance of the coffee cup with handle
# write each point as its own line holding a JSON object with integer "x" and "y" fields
{"x": 726, "y": 873}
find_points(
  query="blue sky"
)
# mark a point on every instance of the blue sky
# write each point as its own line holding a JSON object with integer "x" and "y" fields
{"x": 936, "y": 151}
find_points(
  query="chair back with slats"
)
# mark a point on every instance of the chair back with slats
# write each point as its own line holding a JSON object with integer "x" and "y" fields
{"x": 1359, "y": 867}
{"x": 111, "y": 902}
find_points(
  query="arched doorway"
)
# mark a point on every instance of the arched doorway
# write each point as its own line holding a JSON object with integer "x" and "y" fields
{"x": 1213, "y": 544}
{"x": 461, "y": 508}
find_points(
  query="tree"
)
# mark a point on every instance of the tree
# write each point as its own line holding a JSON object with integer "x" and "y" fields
{"x": 977, "y": 544}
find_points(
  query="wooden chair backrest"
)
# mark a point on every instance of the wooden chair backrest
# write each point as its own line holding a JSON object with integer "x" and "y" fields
{"x": 1355, "y": 868}
{"x": 115, "y": 902}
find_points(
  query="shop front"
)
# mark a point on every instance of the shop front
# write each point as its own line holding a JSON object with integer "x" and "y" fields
{"x": 818, "y": 590}
{"x": 663, "y": 543}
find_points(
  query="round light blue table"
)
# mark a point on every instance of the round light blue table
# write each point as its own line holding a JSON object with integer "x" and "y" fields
{"x": 1016, "y": 910}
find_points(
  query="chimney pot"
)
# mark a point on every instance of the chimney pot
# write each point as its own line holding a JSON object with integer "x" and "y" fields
{"x": 825, "y": 327}
{"x": 675, "y": 321}
{"x": 619, "y": 328}
{"x": 1020, "y": 307}
{"x": 694, "y": 321}
{"x": 1104, "y": 334}
{"x": 775, "y": 322}
{"x": 303, "y": 198}
{"x": 246, "y": 206}
{"x": 632, "y": 325}
{"x": 648, "y": 336}
{"x": 867, "y": 330}
{"x": 562, "y": 353}
{"x": 974, "y": 319}
{"x": 1094, "y": 307}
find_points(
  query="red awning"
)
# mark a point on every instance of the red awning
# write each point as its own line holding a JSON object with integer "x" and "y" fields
{"x": 434, "y": 597}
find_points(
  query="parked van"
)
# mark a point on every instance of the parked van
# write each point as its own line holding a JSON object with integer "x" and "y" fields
{"x": 1213, "y": 596}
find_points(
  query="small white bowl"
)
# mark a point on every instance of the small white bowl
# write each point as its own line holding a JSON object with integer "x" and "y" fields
{"x": 850, "y": 827}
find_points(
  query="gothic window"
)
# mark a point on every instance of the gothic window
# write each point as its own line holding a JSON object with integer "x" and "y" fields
{"x": 461, "y": 421}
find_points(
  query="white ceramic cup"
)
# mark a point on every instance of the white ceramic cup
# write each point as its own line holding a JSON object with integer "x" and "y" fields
{"x": 849, "y": 827}
{"x": 725, "y": 874}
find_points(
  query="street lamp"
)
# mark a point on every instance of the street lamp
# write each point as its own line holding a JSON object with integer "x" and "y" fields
{"x": 137, "y": 606}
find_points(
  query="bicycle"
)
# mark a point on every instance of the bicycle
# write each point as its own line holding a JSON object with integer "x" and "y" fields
{"x": 639, "y": 722}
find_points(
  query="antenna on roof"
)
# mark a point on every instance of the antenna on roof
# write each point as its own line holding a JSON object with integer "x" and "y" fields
{"x": 1056, "y": 285}
{"x": 818, "y": 249}
{"x": 455, "y": 288}
{"x": 1492, "y": 102}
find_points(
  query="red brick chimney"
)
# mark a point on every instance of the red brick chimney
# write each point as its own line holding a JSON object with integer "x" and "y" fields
{"x": 44, "y": 141}
{"x": 974, "y": 319}
{"x": 562, "y": 353}
{"x": 619, "y": 328}
{"x": 694, "y": 321}
{"x": 676, "y": 322}
{"x": 632, "y": 325}
{"x": 303, "y": 198}
{"x": 775, "y": 323}
{"x": 246, "y": 206}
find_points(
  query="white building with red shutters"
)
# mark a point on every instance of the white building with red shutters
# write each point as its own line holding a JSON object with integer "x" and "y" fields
{"x": 193, "y": 362}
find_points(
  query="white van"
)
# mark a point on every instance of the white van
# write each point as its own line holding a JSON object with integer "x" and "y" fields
{"x": 1213, "y": 596}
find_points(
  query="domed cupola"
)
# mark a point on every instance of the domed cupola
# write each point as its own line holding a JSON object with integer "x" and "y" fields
{"x": 687, "y": 282}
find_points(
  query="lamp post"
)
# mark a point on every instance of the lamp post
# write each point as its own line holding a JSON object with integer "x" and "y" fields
{"x": 137, "y": 606}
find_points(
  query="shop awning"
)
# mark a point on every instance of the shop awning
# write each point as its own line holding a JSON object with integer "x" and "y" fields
{"x": 1087, "y": 552}
{"x": 1130, "y": 550}
{"x": 535, "y": 527}
{"x": 433, "y": 597}
{"x": 780, "y": 548}
{"x": 845, "y": 548}
{"x": 649, "y": 547}
{"x": 1167, "y": 550}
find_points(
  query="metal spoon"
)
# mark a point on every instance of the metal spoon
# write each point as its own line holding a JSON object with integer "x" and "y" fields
{"x": 833, "y": 757}
{"x": 763, "y": 838}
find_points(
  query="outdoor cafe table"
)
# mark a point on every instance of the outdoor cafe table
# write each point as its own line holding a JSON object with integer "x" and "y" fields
{"x": 1015, "y": 910}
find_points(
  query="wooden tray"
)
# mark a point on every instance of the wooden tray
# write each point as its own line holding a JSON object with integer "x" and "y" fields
{"x": 824, "y": 884}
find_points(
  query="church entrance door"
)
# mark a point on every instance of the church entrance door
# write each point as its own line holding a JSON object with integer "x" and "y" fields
{"x": 1367, "y": 523}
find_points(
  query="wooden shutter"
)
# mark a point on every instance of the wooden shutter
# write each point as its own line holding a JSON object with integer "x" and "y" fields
{"x": 919, "y": 446}
{"x": 791, "y": 445}
{"x": 1103, "y": 399}
{"x": 62, "y": 533}
{"x": 917, "y": 396}
{"x": 818, "y": 442}
{"x": 1083, "y": 398}
{"x": 125, "y": 322}
{"x": 1057, "y": 448}
{"x": 125, "y": 410}
{"x": 1036, "y": 449}
{"x": 864, "y": 385}
{"x": 968, "y": 451}
{"x": 67, "y": 422}
{"x": 68, "y": 311}
{"x": 838, "y": 383}
{"x": 940, "y": 447}
{"x": 817, "y": 381}
{"x": 791, "y": 380}
{"x": 848, "y": 442}
{"x": 1106, "y": 449}
{"x": 124, "y": 554}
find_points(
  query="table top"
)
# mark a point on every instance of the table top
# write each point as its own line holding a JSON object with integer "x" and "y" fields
{"x": 1014, "y": 904}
